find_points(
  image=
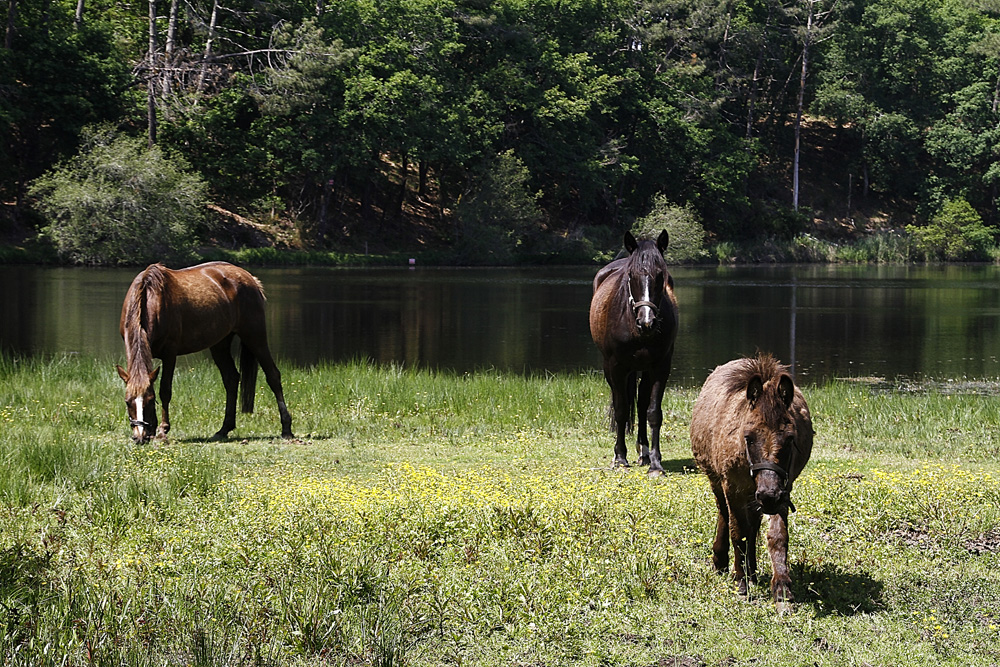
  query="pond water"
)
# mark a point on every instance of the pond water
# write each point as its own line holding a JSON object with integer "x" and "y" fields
{"x": 939, "y": 322}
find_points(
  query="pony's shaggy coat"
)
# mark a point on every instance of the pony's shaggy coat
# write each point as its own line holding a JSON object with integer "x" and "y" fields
{"x": 750, "y": 407}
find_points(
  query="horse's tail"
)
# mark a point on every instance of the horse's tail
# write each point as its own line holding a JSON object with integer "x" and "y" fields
{"x": 630, "y": 389}
{"x": 248, "y": 377}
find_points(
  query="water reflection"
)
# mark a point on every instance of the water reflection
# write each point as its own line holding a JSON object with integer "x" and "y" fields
{"x": 941, "y": 322}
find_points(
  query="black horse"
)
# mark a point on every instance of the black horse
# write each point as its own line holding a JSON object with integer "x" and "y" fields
{"x": 633, "y": 321}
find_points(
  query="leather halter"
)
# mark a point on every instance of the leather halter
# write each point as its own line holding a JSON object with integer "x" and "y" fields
{"x": 140, "y": 422}
{"x": 636, "y": 305}
{"x": 783, "y": 475}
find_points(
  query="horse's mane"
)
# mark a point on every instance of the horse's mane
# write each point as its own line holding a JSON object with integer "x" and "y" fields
{"x": 145, "y": 290}
{"x": 767, "y": 368}
{"x": 646, "y": 258}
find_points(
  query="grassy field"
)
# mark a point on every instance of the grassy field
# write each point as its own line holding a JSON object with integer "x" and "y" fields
{"x": 434, "y": 519}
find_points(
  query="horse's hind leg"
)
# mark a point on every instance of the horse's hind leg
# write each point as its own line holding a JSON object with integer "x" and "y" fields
{"x": 223, "y": 357}
{"x": 273, "y": 376}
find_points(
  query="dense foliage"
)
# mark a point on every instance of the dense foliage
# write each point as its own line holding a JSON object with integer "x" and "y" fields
{"x": 353, "y": 120}
{"x": 119, "y": 202}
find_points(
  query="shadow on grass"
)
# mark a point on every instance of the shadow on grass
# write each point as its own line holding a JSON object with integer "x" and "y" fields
{"x": 679, "y": 466}
{"x": 833, "y": 591}
{"x": 23, "y": 582}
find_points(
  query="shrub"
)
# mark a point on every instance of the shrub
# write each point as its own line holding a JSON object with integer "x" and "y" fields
{"x": 687, "y": 235}
{"x": 956, "y": 232}
{"x": 499, "y": 213}
{"x": 119, "y": 202}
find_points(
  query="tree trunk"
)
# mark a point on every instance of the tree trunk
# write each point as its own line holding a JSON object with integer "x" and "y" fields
{"x": 752, "y": 102}
{"x": 78, "y": 18}
{"x": 326, "y": 195}
{"x": 11, "y": 16}
{"x": 799, "y": 105}
{"x": 422, "y": 170}
{"x": 150, "y": 87}
{"x": 996, "y": 92}
{"x": 169, "y": 49}
{"x": 208, "y": 44}
{"x": 401, "y": 195}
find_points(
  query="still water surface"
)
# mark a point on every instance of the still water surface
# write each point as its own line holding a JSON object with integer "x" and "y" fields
{"x": 829, "y": 321}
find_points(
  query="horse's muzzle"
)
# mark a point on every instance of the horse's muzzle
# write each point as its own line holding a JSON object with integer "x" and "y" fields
{"x": 645, "y": 316}
{"x": 141, "y": 430}
{"x": 772, "y": 492}
{"x": 772, "y": 503}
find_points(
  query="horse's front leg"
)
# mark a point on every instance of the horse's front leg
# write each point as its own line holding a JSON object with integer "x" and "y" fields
{"x": 743, "y": 526}
{"x": 166, "y": 393}
{"x": 654, "y": 416}
{"x": 222, "y": 355}
{"x": 620, "y": 407}
{"x": 642, "y": 438}
{"x": 777, "y": 547}
{"x": 720, "y": 547}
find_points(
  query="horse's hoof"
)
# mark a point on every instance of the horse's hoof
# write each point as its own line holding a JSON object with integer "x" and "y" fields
{"x": 287, "y": 435}
{"x": 783, "y": 607}
{"x": 619, "y": 463}
{"x": 782, "y": 594}
{"x": 655, "y": 473}
{"x": 221, "y": 435}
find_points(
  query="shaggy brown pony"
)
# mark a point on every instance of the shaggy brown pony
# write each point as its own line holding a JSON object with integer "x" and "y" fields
{"x": 167, "y": 313}
{"x": 751, "y": 433}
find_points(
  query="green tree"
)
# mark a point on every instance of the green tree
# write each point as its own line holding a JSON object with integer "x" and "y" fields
{"x": 499, "y": 214}
{"x": 54, "y": 79}
{"x": 955, "y": 233}
{"x": 119, "y": 202}
{"x": 687, "y": 235}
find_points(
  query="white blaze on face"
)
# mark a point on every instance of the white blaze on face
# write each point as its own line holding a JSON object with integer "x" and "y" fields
{"x": 139, "y": 416}
{"x": 646, "y": 296}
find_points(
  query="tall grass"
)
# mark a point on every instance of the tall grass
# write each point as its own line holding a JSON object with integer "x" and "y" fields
{"x": 424, "y": 518}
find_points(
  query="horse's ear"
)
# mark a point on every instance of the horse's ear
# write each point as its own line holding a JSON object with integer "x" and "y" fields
{"x": 122, "y": 373}
{"x": 755, "y": 387}
{"x": 662, "y": 241}
{"x": 152, "y": 376}
{"x": 786, "y": 390}
{"x": 630, "y": 243}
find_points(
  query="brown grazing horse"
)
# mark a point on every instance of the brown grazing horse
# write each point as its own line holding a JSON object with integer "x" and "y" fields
{"x": 167, "y": 313}
{"x": 633, "y": 321}
{"x": 751, "y": 433}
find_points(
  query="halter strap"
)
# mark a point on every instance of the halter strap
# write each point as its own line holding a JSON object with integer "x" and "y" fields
{"x": 636, "y": 305}
{"x": 140, "y": 422}
{"x": 783, "y": 475}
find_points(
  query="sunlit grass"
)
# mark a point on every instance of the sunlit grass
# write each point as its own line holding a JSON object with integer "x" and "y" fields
{"x": 425, "y": 518}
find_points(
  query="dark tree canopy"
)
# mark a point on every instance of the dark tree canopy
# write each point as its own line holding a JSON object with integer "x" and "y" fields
{"x": 350, "y": 119}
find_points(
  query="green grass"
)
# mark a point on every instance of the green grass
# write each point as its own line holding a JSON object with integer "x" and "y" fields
{"x": 425, "y": 518}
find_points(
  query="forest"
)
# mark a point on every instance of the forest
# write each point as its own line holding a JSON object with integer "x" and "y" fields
{"x": 497, "y": 128}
